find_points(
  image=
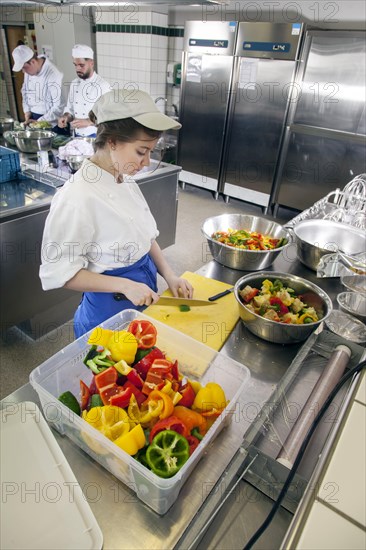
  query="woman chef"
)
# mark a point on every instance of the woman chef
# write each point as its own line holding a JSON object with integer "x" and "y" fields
{"x": 100, "y": 236}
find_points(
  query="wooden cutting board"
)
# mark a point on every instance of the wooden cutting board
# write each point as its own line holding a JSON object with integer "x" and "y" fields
{"x": 210, "y": 325}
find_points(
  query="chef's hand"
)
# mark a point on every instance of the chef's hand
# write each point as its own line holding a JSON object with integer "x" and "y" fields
{"x": 139, "y": 293}
{"x": 180, "y": 287}
{"x": 27, "y": 118}
{"x": 62, "y": 121}
{"x": 81, "y": 123}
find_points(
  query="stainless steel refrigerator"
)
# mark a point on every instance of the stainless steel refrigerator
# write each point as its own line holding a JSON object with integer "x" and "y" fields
{"x": 207, "y": 66}
{"x": 325, "y": 140}
{"x": 265, "y": 63}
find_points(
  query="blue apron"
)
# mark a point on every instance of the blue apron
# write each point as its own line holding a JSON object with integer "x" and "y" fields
{"x": 96, "y": 307}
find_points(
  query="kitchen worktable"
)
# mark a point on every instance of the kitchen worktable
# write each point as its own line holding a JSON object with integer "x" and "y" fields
{"x": 127, "y": 523}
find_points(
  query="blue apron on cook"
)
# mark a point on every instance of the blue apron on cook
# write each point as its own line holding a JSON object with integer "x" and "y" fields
{"x": 96, "y": 307}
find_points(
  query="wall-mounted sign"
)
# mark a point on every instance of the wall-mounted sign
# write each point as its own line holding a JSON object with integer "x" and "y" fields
{"x": 216, "y": 43}
{"x": 278, "y": 47}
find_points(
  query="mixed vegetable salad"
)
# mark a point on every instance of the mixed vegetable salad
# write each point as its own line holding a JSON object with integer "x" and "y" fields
{"x": 139, "y": 399}
{"x": 41, "y": 125}
{"x": 279, "y": 303}
{"x": 248, "y": 240}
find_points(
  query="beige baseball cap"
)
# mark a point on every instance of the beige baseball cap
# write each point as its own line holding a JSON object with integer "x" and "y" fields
{"x": 136, "y": 104}
{"x": 21, "y": 54}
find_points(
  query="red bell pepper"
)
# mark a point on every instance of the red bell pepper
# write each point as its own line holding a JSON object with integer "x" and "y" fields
{"x": 153, "y": 382}
{"x": 84, "y": 395}
{"x": 248, "y": 296}
{"x": 140, "y": 397}
{"x": 175, "y": 371}
{"x": 193, "y": 442}
{"x": 105, "y": 378}
{"x": 93, "y": 388}
{"x": 188, "y": 395}
{"x": 162, "y": 367}
{"x": 135, "y": 379}
{"x": 106, "y": 383}
{"x": 145, "y": 363}
{"x": 144, "y": 332}
{"x": 170, "y": 423}
{"x": 121, "y": 399}
{"x": 278, "y": 305}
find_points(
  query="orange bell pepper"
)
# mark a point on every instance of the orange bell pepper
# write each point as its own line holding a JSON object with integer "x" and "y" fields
{"x": 191, "y": 419}
{"x": 154, "y": 400}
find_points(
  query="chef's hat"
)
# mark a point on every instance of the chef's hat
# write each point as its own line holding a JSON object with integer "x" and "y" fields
{"x": 82, "y": 51}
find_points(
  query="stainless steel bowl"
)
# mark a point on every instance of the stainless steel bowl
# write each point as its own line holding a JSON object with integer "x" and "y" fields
{"x": 9, "y": 137}
{"x": 244, "y": 260}
{"x": 315, "y": 238}
{"x": 282, "y": 333}
{"x": 75, "y": 162}
{"x": 6, "y": 124}
{"x": 355, "y": 282}
{"x": 353, "y": 303}
{"x": 31, "y": 141}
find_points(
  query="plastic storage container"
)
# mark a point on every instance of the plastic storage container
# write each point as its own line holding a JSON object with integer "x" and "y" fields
{"x": 9, "y": 164}
{"x": 64, "y": 370}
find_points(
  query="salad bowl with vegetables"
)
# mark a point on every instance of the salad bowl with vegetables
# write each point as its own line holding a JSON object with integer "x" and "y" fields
{"x": 280, "y": 307}
{"x": 144, "y": 400}
{"x": 244, "y": 242}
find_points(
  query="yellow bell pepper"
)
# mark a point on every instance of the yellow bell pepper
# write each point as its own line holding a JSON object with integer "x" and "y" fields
{"x": 111, "y": 421}
{"x": 307, "y": 318}
{"x": 132, "y": 441}
{"x": 137, "y": 416}
{"x": 100, "y": 337}
{"x": 175, "y": 396}
{"x": 122, "y": 345}
{"x": 210, "y": 398}
{"x": 195, "y": 385}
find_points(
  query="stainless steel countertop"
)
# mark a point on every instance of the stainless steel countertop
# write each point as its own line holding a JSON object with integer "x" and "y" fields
{"x": 112, "y": 502}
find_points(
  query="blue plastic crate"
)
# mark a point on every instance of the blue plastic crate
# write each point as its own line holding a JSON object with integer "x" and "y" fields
{"x": 9, "y": 164}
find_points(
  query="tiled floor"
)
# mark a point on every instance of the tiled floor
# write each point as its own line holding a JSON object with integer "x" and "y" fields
{"x": 20, "y": 354}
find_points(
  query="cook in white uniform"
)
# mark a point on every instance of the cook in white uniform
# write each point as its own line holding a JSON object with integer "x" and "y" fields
{"x": 85, "y": 90}
{"x": 99, "y": 236}
{"x": 42, "y": 92}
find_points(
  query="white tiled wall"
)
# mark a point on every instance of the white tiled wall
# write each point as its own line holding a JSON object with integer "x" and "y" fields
{"x": 132, "y": 59}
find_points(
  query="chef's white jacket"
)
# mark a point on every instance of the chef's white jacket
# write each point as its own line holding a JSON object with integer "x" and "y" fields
{"x": 43, "y": 93}
{"x": 96, "y": 224}
{"x": 82, "y": 96}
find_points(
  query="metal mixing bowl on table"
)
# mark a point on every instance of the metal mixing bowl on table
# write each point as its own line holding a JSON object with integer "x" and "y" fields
{"x": 6, "y": 124}
{"x": 31, "y": 141}
{"x": 75, "y": 161}
{"x": 280, "y": 332}
{"x": 316, "y": 238}
{"x": 239, "y": 258}
{"x": 353, "y": 303}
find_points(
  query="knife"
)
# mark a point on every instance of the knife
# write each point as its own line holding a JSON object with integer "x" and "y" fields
{"x": 172, "y": 301}
{"x": 221, "y": 294}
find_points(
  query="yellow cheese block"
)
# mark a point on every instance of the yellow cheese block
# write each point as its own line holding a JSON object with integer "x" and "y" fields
{"x": 210, "y": 325}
